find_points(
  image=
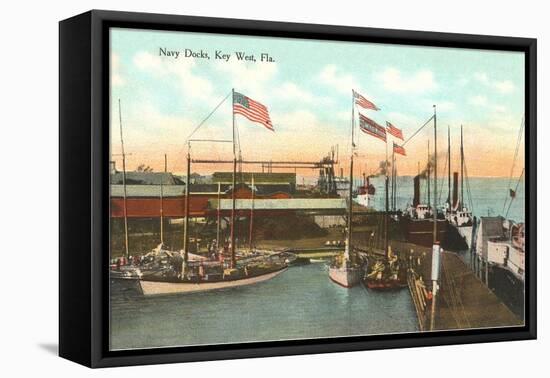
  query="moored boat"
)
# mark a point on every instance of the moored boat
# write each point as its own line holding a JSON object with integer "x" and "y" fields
{"x": 365, "y": 193}
{"x": 345, "y": 272}
{"x": 418, "y": 221}
{"x": 386, "y": 273}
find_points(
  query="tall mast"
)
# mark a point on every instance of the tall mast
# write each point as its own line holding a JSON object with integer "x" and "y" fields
{"x": 394, "y": 184}
{"x": 124, "y": 182}
{"x": 186, "y": 221}
{"x": 387, "y": 206}
{"x": 349, "y": 247}
{"x": 219, "y": 218}
{"x": 162, "y": 202}
{"x": 429, "y": 176}
{"x": 161, "y": 213}
{"x": 250, "y": 236}
{"x": 449, "y": 166}
{"x": 435, "y": 176}
{"x": 461, "y": 169}
{"x": 387, "y": 203}
{"x": 233, "y": 260}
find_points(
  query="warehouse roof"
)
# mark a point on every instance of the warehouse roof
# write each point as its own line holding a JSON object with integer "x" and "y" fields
{"x": 283, "y": 204}
{"x": 145, "y": 178}
{"x": 147, "y": 190}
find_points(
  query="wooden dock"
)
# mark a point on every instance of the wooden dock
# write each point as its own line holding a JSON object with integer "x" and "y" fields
{"x": 463, "y": 300}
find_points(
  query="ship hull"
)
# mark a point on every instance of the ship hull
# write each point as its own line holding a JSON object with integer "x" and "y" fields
{"x": 384, "y": 285}
{"x": 466, "y": 233}
{"x": 420, "y": 231}
{"x": 163, "y": 288}
{"x": 345, "y": 277}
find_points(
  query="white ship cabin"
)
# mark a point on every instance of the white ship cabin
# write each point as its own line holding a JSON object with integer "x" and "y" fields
{"x": 420, "y": 212}
{"x": 461, "y": 217}
{"x": 516, "y": 262}
{"x": 503, "y": 243}
{"x": 503, "y": 253}
{"x": 498, "y": 251}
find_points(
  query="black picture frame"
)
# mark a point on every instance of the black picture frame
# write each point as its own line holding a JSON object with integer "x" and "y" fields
{"x": 84, "y": 187}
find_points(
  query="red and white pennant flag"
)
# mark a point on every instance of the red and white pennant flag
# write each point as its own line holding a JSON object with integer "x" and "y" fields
{"x": 363, "y": 102}
{"x": 394, "y": 130}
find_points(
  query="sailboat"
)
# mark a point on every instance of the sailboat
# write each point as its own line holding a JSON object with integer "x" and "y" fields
{"x": 344, "y": 270}
{"x": 385, "y": 272}
{"x": 170, "y": 272}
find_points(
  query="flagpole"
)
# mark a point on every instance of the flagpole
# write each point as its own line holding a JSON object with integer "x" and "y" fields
{"x": 429, "y": 177}
{"x": 350, "y": 203}
{"x": 449, "y": 166}
{"x": 387, "y": 204}
{"x": 250, "y": 237}
{"x": 393, "y": 177}
{"x": 461, "y": 168}
{"x": 435, "y": 176}
{"x": 233, "y": 260}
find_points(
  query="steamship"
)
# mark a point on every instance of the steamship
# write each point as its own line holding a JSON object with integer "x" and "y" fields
{"x": 418, "y": 221}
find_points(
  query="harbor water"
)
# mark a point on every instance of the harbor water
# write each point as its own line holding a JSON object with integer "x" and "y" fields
{"x": 300, "y": 303}
{"x": 488, "y": 195}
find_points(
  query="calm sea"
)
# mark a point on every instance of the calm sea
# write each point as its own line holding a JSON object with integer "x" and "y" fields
{"x": 300, "y": 303}
{"x": 487, "y": 195}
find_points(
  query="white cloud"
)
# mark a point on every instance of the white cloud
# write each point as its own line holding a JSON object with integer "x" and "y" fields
{"x": 402, "y": 120}
{"x": 478, "y": 100}
{"x": 419, "y": 82}
{"x": 332, "y": 76}
{"x": 481, "y": 77}
{"x": 192, "y": 85}
{"x": 504, "y": 86}
{"x": 292, "y": 92}
{"x": 117, "y": 80}
{"x": 252, "y": 79}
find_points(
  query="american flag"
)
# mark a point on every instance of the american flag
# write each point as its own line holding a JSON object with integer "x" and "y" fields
{"x": 394, "y": 131}
{"x": 368, "y": 126}
{"x": 363, "y": 102}
{"x": 399, "y": 149}
{"x": 252, "y": 110}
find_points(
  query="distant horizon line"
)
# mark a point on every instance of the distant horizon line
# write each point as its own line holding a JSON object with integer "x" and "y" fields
{"x": 358, "y": 176}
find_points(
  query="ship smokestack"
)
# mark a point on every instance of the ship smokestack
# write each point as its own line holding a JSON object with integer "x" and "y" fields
{"x": 455, "y": 189}
{"x": 416, "y": 198}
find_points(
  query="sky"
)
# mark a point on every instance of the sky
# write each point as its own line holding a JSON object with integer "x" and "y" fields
{"x": 308, "y": 91}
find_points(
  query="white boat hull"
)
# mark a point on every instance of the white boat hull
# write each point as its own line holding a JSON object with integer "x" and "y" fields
{"x": 346, "y": 277}
{"x": 466, "y": 233}
{"x": 159, "y": 288}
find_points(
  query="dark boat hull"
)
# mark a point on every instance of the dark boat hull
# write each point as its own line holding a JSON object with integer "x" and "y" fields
{"x": 384, "y": 284}
{"x": 420, "y": 231}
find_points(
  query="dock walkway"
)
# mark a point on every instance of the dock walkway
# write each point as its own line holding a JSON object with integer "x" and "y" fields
{"x": 463, "y": 300}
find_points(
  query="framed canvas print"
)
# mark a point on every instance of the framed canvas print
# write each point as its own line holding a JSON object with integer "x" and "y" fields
{"x": 234, "y": 188}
